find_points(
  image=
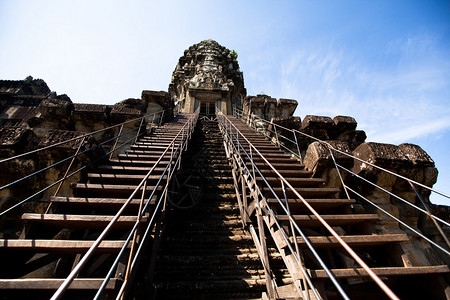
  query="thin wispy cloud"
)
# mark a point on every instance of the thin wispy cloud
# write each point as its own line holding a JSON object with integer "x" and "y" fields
{"x": 395, "y": 105}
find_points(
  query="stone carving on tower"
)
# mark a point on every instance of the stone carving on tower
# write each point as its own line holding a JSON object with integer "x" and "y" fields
{"x": 207, "y": 73}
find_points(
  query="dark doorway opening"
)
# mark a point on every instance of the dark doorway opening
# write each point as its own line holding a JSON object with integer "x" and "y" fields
{"x": 207, "y": 108}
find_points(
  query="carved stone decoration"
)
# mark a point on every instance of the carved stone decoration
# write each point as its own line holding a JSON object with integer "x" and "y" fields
{"x": 266, "y": 107}
{"x": 204, "y": 68}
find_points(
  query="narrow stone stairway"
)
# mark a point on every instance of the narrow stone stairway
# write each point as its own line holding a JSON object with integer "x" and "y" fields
{"x": 52, "y": 243}
{"x": 381, "y": 251}
{"x": 205, "y": 253}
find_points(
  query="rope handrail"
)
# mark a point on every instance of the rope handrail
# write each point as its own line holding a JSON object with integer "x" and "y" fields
{"x": 349, "y": 250}
{"x": 80, "y": 136}
{"x": 64, "y": 286}
{"x": 240, "y": 112}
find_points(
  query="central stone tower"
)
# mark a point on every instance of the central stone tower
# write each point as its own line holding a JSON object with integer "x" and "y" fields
{"x": 207, "y": 76}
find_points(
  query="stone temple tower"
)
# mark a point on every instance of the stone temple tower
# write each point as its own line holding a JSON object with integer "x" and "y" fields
{"x": 207, "y": 76}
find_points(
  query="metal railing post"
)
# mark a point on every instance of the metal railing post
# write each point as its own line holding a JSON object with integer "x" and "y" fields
{"x": 139, "y": 130}
{"x": 161, "y": 119}
{"x": 276, "y": 134}
{"x": 298, "y": 147}
{"x": 65, "y": 174}
{"x": 133, "y": 243}
{"x": 115, "y": 143}
{"x": 436, "y": 224}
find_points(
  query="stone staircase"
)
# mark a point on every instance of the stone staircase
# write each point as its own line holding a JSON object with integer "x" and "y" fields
{"x": 205, "y": 253}
{"x": 52, "y": 243}
{"x": 381, "y": 251}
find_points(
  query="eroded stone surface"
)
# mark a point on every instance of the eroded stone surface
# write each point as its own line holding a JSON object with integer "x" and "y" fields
{"x": 416, "y": 155}
{"x": 266, "y": 107}
{"x": 318, "y": 155}
{"x": 207, "y": 71}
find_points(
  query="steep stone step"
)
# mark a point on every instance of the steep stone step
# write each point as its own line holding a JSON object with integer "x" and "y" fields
{"x": 245, "y": 288}
{"x": 333, "y": 220}
{"x": 55, "y": 283}
{"x": 105, "y": 204}
{"x": 59, "y": 246}
{"x": 306, "y": 192}
{"x": 110, "y": 190}
{"x": 294, "y": 181}
{"x": 205, "y": 253}
{"x": 388, "y": 271}
{"x": 128, "y": 169}
{"x": 267, "y": 171}
{"x": 81, "y": 221}
{"x": 122, "y": 178}
{"x": 142, "y": 156}
{"x": 137, "y": 162}
{"x": 357, "y": 241}
{"x": 319, "y": 204}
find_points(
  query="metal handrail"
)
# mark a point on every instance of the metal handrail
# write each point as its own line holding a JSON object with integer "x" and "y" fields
{"x": 77, "y": 154}
{"x": 243, "y": 166}
{"x": 239, "y": 114}
{"x": 64, "y": 286}
{"x": 68, "y": 176}
{"x": 80, "y": 136}
{"x": 349, "y": 250}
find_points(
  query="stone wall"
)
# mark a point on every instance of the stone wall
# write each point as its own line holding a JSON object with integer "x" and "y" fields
{"x": 266, "y": 107}
{"x": 32, "y": 117}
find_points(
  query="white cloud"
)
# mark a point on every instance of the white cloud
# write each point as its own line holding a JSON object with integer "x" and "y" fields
{"x": 395, "y": 104}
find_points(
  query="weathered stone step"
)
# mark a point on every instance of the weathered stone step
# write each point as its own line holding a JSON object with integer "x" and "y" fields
{"x": 213, "y": 224}
{"x": 156, "y": 143}
{"x": 267, "y": 171}
{"x": 137, "y": 162}
{"x": 294, "y": 181}
{"x": 128, "y": 169}
{"x": 107, "y": 178}
{"x": 160, "y": 137}
{"x": 110, "y": 190}
{"x": 387, "y": 271}
{"x": 316, "y": 192}
{"x": 80, "y": 221}
{"x": 224, "y": 289}
{"x": 150, "y": 148}
{"x": 278, "y": 166}
{"x": 319, "y": 204}
{"x": 143, "y": 156}
{"x": 55, "y": 283}
{"x": 285, "y": 159}
{"x": 225, "y": 261}
{"x": 59, "y": 246}
{"x": 332, "y": 220}
{"x": 105, "y": 204}
{"x": 357, "y": 241}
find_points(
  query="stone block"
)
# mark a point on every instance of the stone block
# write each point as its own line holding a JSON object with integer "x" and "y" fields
{"x": 286, "y": 107}
{"x": 15, "y": 140}
{"x": 383, "y": 155}
{"x": 344, "y": 123}
{"x": 55, "y": 108}
{"x": 319, "y": 157}
{"x": 289, "y": 122}
{"x": 416, "y": 155}
{"x": 317, "y": 122}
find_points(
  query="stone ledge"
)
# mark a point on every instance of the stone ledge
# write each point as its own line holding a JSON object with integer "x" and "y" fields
{"x": 319, "y": 157}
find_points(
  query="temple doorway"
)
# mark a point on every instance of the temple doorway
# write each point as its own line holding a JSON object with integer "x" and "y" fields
{"x": 207, "y": 108}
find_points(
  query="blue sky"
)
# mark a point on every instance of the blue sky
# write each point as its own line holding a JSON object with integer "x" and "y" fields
{"x": 386, "y": 63}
